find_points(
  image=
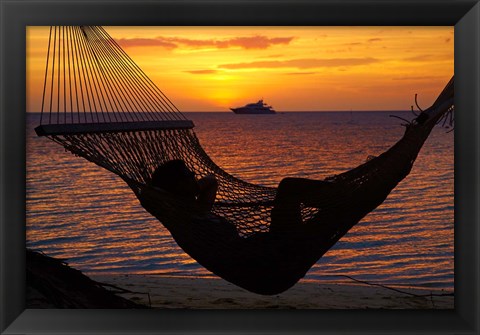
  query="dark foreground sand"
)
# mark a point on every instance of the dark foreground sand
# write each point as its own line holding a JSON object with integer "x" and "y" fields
{"x": 206, "y": 293}
{"x": 51, "y": 283}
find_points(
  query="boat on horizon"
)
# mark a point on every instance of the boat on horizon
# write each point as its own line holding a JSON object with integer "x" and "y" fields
{"x": 258, "y": 107}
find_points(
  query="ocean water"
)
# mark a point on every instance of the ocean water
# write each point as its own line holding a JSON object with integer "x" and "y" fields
{"x": 88, "y": 216}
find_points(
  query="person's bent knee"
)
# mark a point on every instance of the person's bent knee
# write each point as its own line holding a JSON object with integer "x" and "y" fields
{"x": 288, "y": 181}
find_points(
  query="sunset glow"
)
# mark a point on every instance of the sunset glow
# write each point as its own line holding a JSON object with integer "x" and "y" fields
{"x": 292, "y": 68}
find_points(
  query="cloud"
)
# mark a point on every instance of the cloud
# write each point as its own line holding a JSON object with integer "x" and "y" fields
{"x": 419, "y": 58}
{"x": 146, "y": 42}
{"x": 202, "y": 71}
{"x": 307, "y": 63}
{"x": 428, "y": 58}
{"x": 248, "y": 42}
{"x": 371, "y": 40}
{"x": 299, "y": 73}
{"x": 255, "y": 42}
{"x": 273, "y": 56}
{"x": 416, "y": 78}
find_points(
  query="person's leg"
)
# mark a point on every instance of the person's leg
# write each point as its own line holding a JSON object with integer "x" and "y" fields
{"x": 291, "y": 193}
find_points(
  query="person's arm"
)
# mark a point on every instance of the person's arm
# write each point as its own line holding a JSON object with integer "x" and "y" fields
{"x": 208, "y": 187}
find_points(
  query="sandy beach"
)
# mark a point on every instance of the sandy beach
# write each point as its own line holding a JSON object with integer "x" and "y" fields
{"x": 212, "y": 293}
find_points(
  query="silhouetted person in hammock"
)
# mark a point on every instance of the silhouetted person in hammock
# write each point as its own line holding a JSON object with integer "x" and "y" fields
{"x": 175, "y": 177}
{"x": 208, "y": 233}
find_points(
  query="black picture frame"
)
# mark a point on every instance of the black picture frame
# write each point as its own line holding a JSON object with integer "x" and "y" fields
{"x": 17, "y": 14}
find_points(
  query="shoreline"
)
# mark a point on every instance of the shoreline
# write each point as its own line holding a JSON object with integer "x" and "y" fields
{"x": 167, "y": 292}
{"x": 52, "y": 283}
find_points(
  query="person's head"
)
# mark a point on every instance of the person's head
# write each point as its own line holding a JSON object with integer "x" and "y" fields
{"x": 175, "y": 177}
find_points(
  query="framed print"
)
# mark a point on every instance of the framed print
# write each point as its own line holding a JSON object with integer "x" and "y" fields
{"x": 89, "y": 71}
{"x": 108, "y": 114}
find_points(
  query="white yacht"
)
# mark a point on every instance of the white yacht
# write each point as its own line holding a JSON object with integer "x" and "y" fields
{"x": 254, "y": 108}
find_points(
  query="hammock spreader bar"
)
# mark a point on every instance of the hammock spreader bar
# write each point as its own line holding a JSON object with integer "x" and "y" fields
{"x": 112, "y": 127}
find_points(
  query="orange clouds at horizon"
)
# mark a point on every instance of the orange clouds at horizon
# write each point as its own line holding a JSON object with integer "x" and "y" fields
{"x": 248, "y": 42}
{"x": 292, "y": 68}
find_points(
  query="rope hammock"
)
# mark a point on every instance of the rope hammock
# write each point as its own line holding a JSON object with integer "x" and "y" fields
{"x": 99, "y": 105}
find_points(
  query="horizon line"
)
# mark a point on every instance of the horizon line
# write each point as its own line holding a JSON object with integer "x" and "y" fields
{"x": 277, "y": 112}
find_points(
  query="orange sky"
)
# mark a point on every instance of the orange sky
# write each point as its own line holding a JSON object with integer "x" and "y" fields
{"x": 292, "y": 68}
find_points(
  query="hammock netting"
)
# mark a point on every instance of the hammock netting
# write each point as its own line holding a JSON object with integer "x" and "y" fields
{"x": 99, "y": 105}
